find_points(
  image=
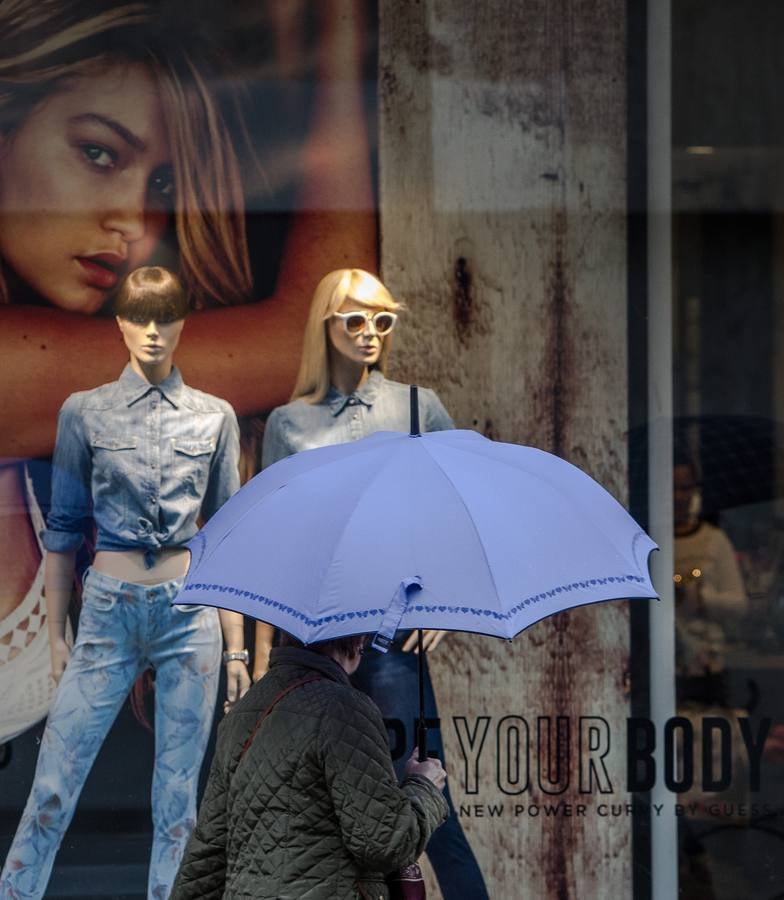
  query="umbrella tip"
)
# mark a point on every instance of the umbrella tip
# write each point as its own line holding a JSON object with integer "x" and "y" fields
{"x": 414, "y": 397}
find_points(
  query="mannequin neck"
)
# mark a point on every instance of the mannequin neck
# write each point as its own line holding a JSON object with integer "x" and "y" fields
{"x": 154, "y": 374}
{"x": 346, "y": 375}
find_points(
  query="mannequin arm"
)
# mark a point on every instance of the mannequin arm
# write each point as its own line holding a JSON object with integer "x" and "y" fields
{"x": 58, "y": 582}
{"x": 237, "y": 678}
{"x": 261, "y": 654}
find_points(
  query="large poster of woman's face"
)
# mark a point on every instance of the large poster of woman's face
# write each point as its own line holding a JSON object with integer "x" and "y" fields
{"x": 228, "y": 142}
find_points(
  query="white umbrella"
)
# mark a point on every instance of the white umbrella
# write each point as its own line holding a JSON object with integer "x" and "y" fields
{"x": 496, "y": 536}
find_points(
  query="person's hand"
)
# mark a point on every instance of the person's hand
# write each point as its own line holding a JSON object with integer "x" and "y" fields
{"x": 430, "y": 640}
{"x": 688, "y": 595}
{"x": 237, "y": 683}
{"x": 60, "y": 653}
{"x": 430, "y": 768}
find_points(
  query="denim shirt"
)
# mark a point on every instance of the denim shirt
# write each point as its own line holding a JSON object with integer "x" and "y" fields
{"x": 143, "y": 461}
{"x": 376, "y": 405}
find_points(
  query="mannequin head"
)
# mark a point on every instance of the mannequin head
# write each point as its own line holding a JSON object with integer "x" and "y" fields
{"x": 327, "y": 343}
{"x": 150, "y": 308}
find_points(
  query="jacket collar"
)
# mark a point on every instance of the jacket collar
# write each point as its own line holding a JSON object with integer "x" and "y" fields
{"x": 308, "y": 659}
{"x": 366, "y": 393}
{"x": 134, "y": 387}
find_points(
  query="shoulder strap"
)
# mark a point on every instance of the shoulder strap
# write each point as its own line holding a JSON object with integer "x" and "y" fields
{"x": 292, "y": 687}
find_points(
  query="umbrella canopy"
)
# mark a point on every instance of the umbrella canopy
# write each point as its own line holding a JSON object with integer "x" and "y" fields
{"x": 495, "y": 537}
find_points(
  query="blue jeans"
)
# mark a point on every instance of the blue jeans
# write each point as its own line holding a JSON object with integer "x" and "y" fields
{"x": 123, "y": 629}
{"x": 392, "y": 682}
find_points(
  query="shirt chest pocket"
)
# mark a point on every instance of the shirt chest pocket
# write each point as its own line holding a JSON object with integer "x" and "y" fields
{"x": 114, "y": 458}
{"x": 192, "y": 459}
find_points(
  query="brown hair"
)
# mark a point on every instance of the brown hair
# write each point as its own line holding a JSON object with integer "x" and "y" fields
{"x": 351, "y": 646}
{"x": 44, "y": 43}
{"x": 151, "y": 293}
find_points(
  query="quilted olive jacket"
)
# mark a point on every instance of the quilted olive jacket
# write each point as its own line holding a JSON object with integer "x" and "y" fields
{"x": 313, "y": 810}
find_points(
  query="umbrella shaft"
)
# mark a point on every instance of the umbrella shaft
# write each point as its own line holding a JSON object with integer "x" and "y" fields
{"x": 422, "y": 728}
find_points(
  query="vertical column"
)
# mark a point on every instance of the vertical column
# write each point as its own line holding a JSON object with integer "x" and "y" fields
{"x": 778, "y": 363}
{"x": 503, "y": 227}
{"x": 664, "y": 841}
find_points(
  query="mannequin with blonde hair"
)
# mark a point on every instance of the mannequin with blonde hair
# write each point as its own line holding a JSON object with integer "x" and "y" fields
{"x": 313, "y": 378}
{"x": 342, "y": 394}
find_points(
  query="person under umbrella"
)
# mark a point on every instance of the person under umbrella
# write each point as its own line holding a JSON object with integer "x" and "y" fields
{"x": 302, "y": 800}
{"x": 341, "y": 394}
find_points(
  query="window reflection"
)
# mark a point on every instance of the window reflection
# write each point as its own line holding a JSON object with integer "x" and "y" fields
{"x": 710, "y": 594}
{"x": 728, "y": 479}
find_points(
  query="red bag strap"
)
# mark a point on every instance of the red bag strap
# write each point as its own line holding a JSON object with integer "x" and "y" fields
{"x": 292, "y": 687}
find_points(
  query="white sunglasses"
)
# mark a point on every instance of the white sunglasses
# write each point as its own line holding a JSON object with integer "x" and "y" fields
{"x": 357, "y": 321}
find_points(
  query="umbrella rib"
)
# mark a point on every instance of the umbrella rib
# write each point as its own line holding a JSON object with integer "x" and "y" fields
{"x": 234, "y": 525}
{"x": 360, "y": 497}
{"x": 253, "y": 507}
{"x": 470, "y": 519}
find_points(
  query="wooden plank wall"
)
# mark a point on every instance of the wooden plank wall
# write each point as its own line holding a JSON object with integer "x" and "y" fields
{"x": 502, "y": 158}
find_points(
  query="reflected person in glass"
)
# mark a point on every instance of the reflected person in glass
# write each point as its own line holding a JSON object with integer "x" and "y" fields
{"x": 709, "y": 591}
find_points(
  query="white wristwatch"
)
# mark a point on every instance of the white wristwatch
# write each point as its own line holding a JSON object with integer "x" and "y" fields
{"x": 242, "y": 655}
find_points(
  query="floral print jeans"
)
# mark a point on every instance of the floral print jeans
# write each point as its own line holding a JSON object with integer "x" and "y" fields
{"x": 123, "y": 629}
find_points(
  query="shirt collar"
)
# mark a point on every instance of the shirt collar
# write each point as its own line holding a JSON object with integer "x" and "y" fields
{"x": 134, "y": 387}
{"x": 366, "y": 393}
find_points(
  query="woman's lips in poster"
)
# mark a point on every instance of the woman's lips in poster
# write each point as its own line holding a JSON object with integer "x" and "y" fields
{"x": 103, "y": 270}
